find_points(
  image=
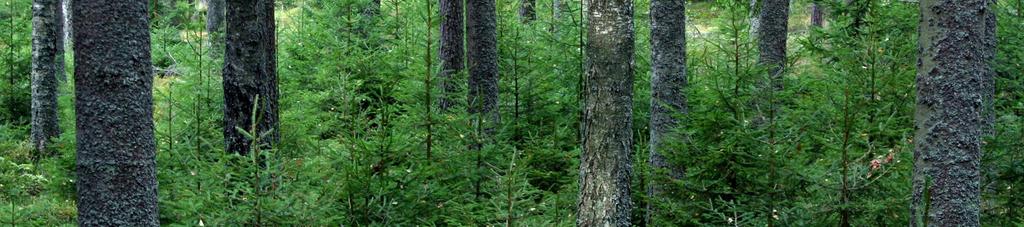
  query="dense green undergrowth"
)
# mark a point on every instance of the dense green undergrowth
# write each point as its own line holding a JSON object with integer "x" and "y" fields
{"x": 363, "y": 144}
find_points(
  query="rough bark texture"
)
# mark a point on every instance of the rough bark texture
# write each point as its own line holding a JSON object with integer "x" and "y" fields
{"x": 482, "y": 38}
{"x": 250, "y": 75}
{"x": 817, "y": 15}
{"x": 47, "y": 67}
{"x": 215, "y": 13}
{"x": 68, "y": 38}
{"x": 668, "y": 79}
{"x": 527, "y": 10}
{"x": 452, "y": 51}
{"x": 116, "y": 159}
{"x": 772, "y": 32}
{"x": 606, "y": 159}
{"x": 954, "y": 84}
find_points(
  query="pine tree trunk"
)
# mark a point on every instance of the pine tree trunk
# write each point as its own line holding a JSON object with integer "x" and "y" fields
{"x": 606, "y": 159}
{"x": 527, "y": 11}
{"x": 250, "y": 76}
{"x": 954, "y": 88}
{"x": 47, "y": 68}
{"x": 452, "y": 51}
{"x": 668, "y": 99}
{"x": 817, "y": 16}
{"x": 215, "y": 13}
{"x": 116, "y": 159}
{"x": 482, "y": 40}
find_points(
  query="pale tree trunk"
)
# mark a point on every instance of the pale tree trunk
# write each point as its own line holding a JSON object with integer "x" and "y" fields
{"x": 452, "y": 51}
{"x": 250, "y": 76}
{"x": 47, "y": 68}
{"x": 215, "y": 12}
{"x": 116, "y": 158}
{"x": 606, "y": 160}
{"x": 755, "y": 20}
{"x": 482, "y": 40}
{"x": 954, "y": 90}
{"x": 668, "y": 99}
{"x": 817, "y": 15}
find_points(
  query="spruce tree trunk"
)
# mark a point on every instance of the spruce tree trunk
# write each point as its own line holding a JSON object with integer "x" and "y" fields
{"x": 668, "y": 99}
{"x": 250, "y": 76}
{"x": 47, "y": 68}
{"x": 817, "y": 16}
{"x": 482, "y": 38}
{"x": 215, "y": 13}
{"x": 606, "y": 160}
{"x": 773, "y": 29}
{"x": 116, "y": 159}
{"x": 954, "y": 88}
{"x": 452, "y": 51}
{"x": 527, "y": 11}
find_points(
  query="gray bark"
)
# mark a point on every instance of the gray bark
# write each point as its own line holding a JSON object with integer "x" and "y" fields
{"x": 954, "y": 86}
{"x": 817, "y": 16}
{"x": 606, "y": 160}
{"x": 556, "y": 9}
{"x": 215, "y": 13}
{"x": 47, "y": 68}
{"x": 250, "y": 75}
{"x": 482, "y": 51}
{"x": 755, "y": 20}
{"x": 116, "y": 159}
{"x": 668, "y": 79}
{"x": 527, "y": 10}
{"x": 68, "y": 38}
{"x": 452, "y": 51}
{"x": 772, "y": 32}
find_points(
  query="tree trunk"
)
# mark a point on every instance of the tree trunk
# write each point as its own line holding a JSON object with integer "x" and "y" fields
{"x": 452, "y": 51}
{"x": 527, "y": 11}
{"x": 47, "y": 67}
{"x": 668, "y": 79}
{"x": 817, "y": 16}
{"x": 954, "y": 86}
{"x": 755, "y": 20}
{"x": 482, "y": 38}
{"x": 606, "y": 159}
{"x": 556, "y": 9}
{"x": 116, "y": 159}
{"x": 772, "y": 32}
{"x": 250, "y": 76}
{"x": 68, "y": 38}
{"x": 215, "y": 26}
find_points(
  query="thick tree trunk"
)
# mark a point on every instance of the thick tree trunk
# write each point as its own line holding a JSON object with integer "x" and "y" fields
{"x": 215, "y": 13}
{"x": 116, "y": 159}
{"x": 817, "y": 15}
{"x": 527, "y": 10}
{"x": 452, "y": 52}
{"x": 773, "y": 29}
{"x": 606, "y": 159}
{"x": 482, "y": 38}
{"x": 47, "y": 68}
{"x": 668, "y": 79}
{"x": 954, "y": 86}
{"x": 250, "y": 76}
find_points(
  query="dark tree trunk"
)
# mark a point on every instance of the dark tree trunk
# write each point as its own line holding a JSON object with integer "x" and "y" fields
{"x": 606, "y": 160}
{"x": 527, "y": 11}
{"x": 482, "y": 38}
{"x": 116, "y": 159}
{"x": 47, "y": 67}
{"x": 250, "y": 76}
{"x": 817, "y": 15}
{"x": 954, "y": 88}
{"x": 668, "y": 99}
{"x": 215, "y": 13}
{"x": 452, "y": 51}
{"x": 772, "y": 32}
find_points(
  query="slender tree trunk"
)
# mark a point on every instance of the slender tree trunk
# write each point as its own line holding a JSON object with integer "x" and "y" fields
{"x": 452, "y": 52}
{"x": 954, "y": 86}
{"x": 215, "y": 13}
{"x": 68, "y": 38}
{"x": 250, "y": 76}
{"x": 668, "y": 99}
{"x": 755, "y": 20}
{"x": 817, "y": 15}
{"x": 527, "y": 11}
{"x": 47, "y": 67}
{"x": 482, "y": 38}
{"x": 116, "y": 159}
{"x": 606, "y": 159}
{"x": 556, "y": 9}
